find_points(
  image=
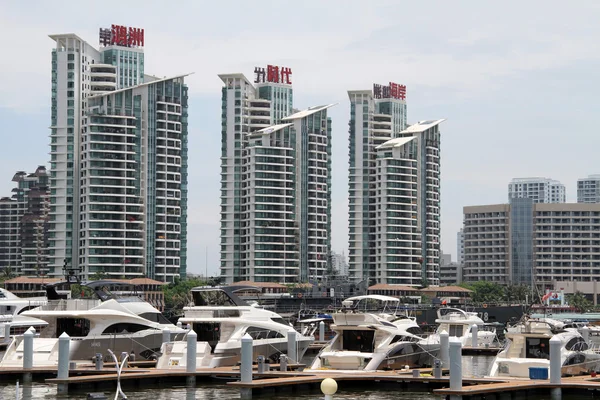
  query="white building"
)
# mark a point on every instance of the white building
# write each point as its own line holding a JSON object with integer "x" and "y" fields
{"x": 275, "y": 182}
{"x": 540, "y": 190}
{"x": 118, "y": 161}
{"x": 339, "y": 263}
{"x": 374, "y": 119}
{"x": 403, "y": 209}
{"x": 588, "y": 189}
{"x": 460, "y": 246}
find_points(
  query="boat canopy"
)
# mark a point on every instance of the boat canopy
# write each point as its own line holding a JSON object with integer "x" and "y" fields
{"x": 374, "y": 297}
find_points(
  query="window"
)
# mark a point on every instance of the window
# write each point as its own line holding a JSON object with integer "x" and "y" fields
{"x": 124, "y": 328}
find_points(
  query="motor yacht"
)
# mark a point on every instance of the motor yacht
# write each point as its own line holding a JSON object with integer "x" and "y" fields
{"x": 126, "y": 324}
{"x": 458, "y": 324}
{"x": 11, "y": 304}
{"x": 370, "y": 341}
{"x": 528, "y": 345}
{"x": 220, "y": 318}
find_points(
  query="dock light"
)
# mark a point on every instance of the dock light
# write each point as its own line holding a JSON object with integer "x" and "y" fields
{"x": 329, "y": 387}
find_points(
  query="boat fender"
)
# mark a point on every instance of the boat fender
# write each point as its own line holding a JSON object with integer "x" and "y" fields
{"x": 299, "y": 295}
{"x": 485, "y": 306}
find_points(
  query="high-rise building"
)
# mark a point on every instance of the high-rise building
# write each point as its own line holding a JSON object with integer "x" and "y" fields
{"x": 531, "y": 243}
{"x": 118, "y": 161}
{"x": 450, "y": 272}
{"x": 275, "y": 181}
{"x": 339, "y": 263}
{"x": 588, "y": 189}
{"x": 374, "y": 119}
{"x": 24, "y": 224}
{"x": 540, "y": 190}
{"x": 460, "y": 246}
{"x": 393, "y": 190}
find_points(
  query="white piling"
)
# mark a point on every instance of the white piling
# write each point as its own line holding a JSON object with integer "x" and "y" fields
{"x": 28, "y": 349}
{"x": 179, "y": 324}
{"x": 585, "y": 333}
{"x": 292, "y": 346}
{"x": 190, "y": 366}
{"x": 474, "y": 335}
{"x": 555, "y": 361}
{"x": 321, "y": 331}
{"x": 166, "y": 335}
{"x": 17, "y": 394}
{"x": 444, "y": 349}
{"x": 455, "y": 350}
{"x": 64, "y": 342}
{"x": 246, "y": 366}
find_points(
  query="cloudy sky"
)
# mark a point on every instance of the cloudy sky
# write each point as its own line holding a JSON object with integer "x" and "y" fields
{"x": 517, "y": 82}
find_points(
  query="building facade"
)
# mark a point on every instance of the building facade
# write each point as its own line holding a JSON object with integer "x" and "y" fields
{"x": 460, "y": 246}
{"x": 275, "y": 182}
{"x": 588, "y": 189}
{"x": 528, "y": 243}
{"x": 24, "y": 224}
{"x": 339, "y": 263}
{"x": 540, "y": 190}
{"x": 118, "y": 161}
{"x": 394, "y": 215}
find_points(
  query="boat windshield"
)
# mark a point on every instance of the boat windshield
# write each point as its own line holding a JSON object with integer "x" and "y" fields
{"x": 212, "y": 298}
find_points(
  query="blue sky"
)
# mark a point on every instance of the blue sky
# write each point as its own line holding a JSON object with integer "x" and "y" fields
{"x": 517, "y": 82}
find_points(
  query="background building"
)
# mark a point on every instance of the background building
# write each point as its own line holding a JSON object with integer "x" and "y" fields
{"x": 374, "y": 119}
{"x": 460, "y": 246}
{"x": 339, "y": 263}
{"x": 275, "y": 182}
{"x": 118, "y": 161}
{"x": 540, "y": 190}
{"x": 588, "y": 189}
{"x": 24, "y": 224}
{"x": 524, "y": 242}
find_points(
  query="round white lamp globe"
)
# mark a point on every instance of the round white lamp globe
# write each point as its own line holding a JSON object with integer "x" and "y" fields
{"x": 329, "y": 386}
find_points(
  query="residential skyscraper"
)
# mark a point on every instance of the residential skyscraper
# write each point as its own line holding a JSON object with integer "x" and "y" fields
{"x": 540, "y": 190}
{"x": 24, "y": 224}
{"x": 119, "y": 161}
{"x": 393, "y": 191}
{"x": 588, "y": 189}
{"x": 275, "y": 181}
{"x": 374, "y": 119}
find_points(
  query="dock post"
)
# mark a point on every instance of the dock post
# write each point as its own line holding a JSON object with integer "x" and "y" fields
{"x": 291, "y": 347}
{"x": 585, "y": 333}
{"x": 321, "y": 331}
{"x": 283, "y": 362}
{"x": 444, "y": 348}
{"x": 28, "y": 353}
{"x": 190, "y": 366}
{"x": 329, "y": 387}
{"x": 246, "y": 366}
{"x": 555, "y": 361}
{"x": 474, "y": 335}
{"x": 166, "y": 335}
{"x": 64, "y": 342}
{"x": 455, "y": 364}
{"x": 260, "y": 365}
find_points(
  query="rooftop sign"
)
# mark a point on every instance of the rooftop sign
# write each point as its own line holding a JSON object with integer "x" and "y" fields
{"x": 122, "y": 36}
{"x": 392, "y": 91}
{"x": 273, "y": 74}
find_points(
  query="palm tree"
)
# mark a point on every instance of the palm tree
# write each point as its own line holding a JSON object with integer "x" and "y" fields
{"x": 6, "y": 274}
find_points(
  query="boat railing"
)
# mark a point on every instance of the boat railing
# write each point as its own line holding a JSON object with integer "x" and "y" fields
{"x": 216, "y": 313}
{"x": 70, "y": 305}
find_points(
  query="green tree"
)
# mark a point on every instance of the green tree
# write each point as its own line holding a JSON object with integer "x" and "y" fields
{"x": 578, "y": 301}
{"x": 177, "y": 294}
{"x": 485, "y": 292}
{"x": 517, "y": 293}
{"x": 6, "y": 274}
{"x": 81, "y": 292}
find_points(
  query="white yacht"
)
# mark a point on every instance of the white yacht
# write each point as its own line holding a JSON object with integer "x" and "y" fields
{"x": 528, "y": 345}
{"x": 11, "y": 304}
{"x": 370, "y": 341}
{"x": 220, "y": 318}
{"x": 120, "y": 324}
{"x": 458, "y": 324}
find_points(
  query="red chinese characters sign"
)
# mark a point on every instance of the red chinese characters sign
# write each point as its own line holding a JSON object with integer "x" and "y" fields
{"x": 391, "y": 91}
{"x": 273, "y": 74}
{"x": 122, "y": 36}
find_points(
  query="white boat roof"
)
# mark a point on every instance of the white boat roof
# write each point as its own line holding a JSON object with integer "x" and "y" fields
{"x": 374, "y": 297}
